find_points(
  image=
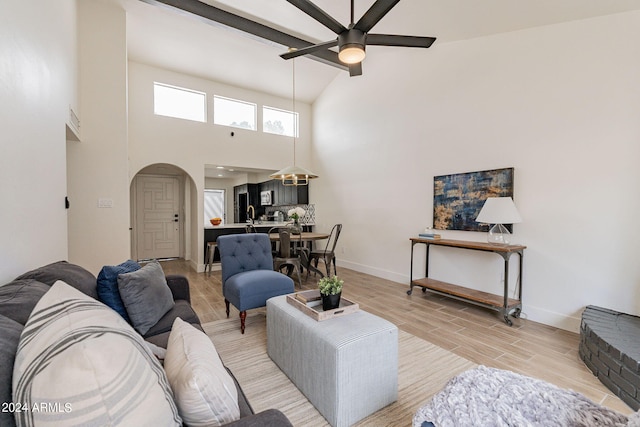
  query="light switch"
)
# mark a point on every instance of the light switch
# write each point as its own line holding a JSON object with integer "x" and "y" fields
{"x": 105, "y": 203}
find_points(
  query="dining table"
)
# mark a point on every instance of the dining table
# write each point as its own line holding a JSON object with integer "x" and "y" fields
{"x": 305, "y": 236}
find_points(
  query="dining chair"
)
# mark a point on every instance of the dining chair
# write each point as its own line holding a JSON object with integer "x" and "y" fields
{"x": 289, "y": 253}
{"x": 249, "y": 228}
{"x": 328, "y": 254}
{"x": 274, "y": 243}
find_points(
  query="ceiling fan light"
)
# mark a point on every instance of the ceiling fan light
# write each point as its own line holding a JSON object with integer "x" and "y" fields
{"x": 351, "y": 53}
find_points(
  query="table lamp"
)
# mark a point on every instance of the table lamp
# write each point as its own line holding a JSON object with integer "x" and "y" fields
{"x": 499, "y": 211}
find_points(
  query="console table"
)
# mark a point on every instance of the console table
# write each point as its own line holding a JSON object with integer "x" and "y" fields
{"x": 501, "y": 303}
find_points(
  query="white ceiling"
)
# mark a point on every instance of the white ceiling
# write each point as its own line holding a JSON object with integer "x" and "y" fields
{"x": 163, "y": 38}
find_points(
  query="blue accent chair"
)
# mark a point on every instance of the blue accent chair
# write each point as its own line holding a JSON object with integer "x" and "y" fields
{"x": 248, "y": 279}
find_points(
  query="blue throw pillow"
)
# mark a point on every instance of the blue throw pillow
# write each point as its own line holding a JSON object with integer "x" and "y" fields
{"x": 107, "y": 285}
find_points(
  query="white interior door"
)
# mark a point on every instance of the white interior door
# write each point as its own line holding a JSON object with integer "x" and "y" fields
{"x": 158, "y": 217}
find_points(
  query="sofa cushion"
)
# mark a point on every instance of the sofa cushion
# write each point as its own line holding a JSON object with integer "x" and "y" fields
{"x": 71, "y": 274}
{"x": 79, "y": 354}
{"x": 204, "y": 391}
{"x": 146, "y": 296}
{"x": 18, "y": 298}
{"x": 181, "y": 309}
{"x": 107, "y": 285}
{"x": 161, "y": 340}
{"x": 243, "y": 402}
{"x": 9, "y": 337}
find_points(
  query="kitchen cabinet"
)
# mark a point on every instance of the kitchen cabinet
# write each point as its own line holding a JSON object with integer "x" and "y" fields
{"x": 286, "y": 194}
{"x": 249, "y": 194}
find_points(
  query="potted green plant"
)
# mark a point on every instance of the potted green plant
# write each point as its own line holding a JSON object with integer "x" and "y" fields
{"x": 330, "y": 291}
{"x": 295, "y": 214}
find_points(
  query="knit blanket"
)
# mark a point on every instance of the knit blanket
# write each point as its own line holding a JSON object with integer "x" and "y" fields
{"x": 493, "y": 397}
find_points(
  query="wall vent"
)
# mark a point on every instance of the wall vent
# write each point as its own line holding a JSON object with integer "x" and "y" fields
{"x": 73, "y": 126}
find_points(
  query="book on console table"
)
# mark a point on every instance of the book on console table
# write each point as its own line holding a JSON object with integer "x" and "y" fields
{"x": 429, "y": 236}
{"x": 308, "y": 296}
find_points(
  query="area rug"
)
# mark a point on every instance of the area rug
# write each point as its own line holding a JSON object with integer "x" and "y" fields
{"x": 423, "y": 370}
{"x": 493, "y": 397}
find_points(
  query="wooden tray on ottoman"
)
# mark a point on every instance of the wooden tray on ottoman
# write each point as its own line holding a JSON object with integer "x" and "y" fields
{"x": 313, "y": 306}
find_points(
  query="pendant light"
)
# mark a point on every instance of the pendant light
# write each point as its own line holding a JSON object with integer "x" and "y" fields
{"x": 294, "y": 175}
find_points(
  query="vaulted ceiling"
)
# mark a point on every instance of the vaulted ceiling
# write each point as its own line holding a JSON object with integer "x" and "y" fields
{"x": 165, "y": 38}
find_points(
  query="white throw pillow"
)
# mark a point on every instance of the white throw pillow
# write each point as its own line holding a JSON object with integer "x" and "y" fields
{"x": 80, "y": 363}
{"x": 204, "y": 391}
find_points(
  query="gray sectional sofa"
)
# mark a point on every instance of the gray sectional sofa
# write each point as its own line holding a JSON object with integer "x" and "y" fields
{"x": 19, "y": 297}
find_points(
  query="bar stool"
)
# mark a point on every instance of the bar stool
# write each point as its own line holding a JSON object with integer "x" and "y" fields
{"x": 211, "y": 251}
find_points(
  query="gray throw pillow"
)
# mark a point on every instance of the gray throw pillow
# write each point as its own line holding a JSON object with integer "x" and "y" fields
{"x": 145, "y": 295}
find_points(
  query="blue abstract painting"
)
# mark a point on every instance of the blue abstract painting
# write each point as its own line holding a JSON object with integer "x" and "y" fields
{"x": 458, "y": 198}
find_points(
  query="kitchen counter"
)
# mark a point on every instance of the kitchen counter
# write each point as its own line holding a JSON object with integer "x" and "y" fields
{"x": 256, "y": 224}
{"x": 243, "y": 224}
{"x": 212, "y": 232}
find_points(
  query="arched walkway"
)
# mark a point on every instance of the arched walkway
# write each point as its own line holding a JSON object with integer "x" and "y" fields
{"x": 162, "y": 200}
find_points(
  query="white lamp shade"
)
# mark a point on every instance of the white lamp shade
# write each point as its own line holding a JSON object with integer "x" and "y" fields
{"x": 499, "y": 210}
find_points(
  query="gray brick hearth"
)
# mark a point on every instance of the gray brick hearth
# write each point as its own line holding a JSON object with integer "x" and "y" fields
{"x": 610, "y": 347}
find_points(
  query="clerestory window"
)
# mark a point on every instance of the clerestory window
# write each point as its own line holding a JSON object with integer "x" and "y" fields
{"x": 234, "y": 113}
{"x": 181, "y": 103}
{"x": 280, "y": 122}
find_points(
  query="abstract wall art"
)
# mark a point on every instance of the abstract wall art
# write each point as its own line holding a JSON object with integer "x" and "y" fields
{"x": 458, "y": 198}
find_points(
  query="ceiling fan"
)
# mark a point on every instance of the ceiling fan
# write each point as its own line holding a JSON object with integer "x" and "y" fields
{"x": 352, "y": 40}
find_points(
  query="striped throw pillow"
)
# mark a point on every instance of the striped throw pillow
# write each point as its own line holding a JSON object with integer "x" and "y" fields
{"x": 80, "y": 363}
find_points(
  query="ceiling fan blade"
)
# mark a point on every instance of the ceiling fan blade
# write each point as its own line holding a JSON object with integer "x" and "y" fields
{"x": 375, "y": 13}
{"x": 212, "y": 15}
{"x": 355, "y": 69}
{"x": 306, "y": 50}
{"x": 403, "y": 41}
{"x": 319, "y": 15}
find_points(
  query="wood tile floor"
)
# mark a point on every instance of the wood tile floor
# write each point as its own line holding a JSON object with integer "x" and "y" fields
{"x": 472, "y": 332}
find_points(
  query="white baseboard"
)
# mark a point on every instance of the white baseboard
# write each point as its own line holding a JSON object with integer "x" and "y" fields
{"x": 200, "y": 267}
{"x": 378, "y": 272}
{"x": 558, "y": 320}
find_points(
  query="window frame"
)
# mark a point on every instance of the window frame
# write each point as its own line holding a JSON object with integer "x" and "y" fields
{"x": 224, "y": 202}
{"x": 183, "y": 90}
{"x": 296, "y": 121}
{"x": 238, "y": 101}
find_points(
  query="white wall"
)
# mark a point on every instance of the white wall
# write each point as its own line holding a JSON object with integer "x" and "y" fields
{"x": 98, "y": 166}
{"x": 192, "y": 145}
{"x": 37, "y": 85}
{"x": 559, "y": 103}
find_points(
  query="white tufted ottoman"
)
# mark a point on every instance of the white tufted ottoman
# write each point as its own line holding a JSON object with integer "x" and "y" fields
{"x": 346, "y": 366}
